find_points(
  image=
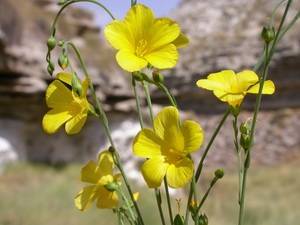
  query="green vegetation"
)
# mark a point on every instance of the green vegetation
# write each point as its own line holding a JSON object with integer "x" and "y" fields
{"x": 39, "y": 195}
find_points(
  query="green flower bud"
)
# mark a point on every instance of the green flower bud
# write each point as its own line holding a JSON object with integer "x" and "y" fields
{"x": 178, "y": 220}
{"x": 245, "y": 127}
{"x": 50, "y": 68}
{"x": 268, "y": 34}
{"x": 112, "y": 186}
{"x": 245, "y": 141}
{"x": 76, "y": 84}
{"x": 203, "y": 220}
{"x": 138, "y": 76}
{"x": 219, "y": 173}
{"x": 157, "y": 77}
{"x": 51, "y": 43}
{"x": 63, "y": 61}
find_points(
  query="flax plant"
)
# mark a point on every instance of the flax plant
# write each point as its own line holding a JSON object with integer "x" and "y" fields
{"x": 143, "y": 41}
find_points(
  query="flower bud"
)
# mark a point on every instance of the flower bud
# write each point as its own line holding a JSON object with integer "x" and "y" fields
{"x": 51, "y": 43}
{"x": 268, "y": 34}
{"x": 157, "y": 77}
{"x": 50, "y": 68}
{"x": 138, "y": 76}
{"x": 63, "y": 61}
{"x": 203, "y": 220}
{"x": 112, "y": 186}
{"x": 76, "y": 84}
{"x": 245, "y": 141}
{"x": 219, "y": 173}
{"x": 178, "y": 220}
{"x": 245, "y": 127}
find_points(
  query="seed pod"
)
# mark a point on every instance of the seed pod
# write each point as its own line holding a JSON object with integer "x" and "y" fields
{"x": 51, "y": 43}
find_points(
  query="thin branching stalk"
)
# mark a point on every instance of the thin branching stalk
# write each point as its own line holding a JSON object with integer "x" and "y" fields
{"x": 102, "y": 116}
{"x": 137, "y": 102}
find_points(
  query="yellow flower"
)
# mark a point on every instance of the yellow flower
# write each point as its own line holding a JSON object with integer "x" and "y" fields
{"x": 232, "y": 88}
{"x": 141, "y": 39}
{"x": 98, "y": 175}
{"x": 66, "y": 106}
{"x": 167, "y": 148}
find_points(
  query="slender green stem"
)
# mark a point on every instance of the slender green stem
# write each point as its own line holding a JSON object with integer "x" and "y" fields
{"x": 168, "y": 93}
{"x": 148, "y": 99}
{"x": 200, "y": 165}
{"x": 128, "y": 206}
{"x": 213, "y": 182}
{"x": 76, "y": 1}
{"x": 277, "y": 38}
{"x": 137, "y": 101}
{"x": 104, "y": 120}
{"x": 168, "y": 200}
{"x": 157, "y": 191}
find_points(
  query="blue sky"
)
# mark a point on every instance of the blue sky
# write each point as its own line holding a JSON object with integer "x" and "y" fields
{"x": 119, "y": 8}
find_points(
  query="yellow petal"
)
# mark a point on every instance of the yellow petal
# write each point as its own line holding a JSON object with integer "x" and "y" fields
{"x": 139, "y": 19}
{"x": 147, "y": 144}
{"x": 54, "y": 119}
{"x": 90, "y": 173}
{"x": 153, "y": 171}
{"x": 231, "y": 99}
{"x": 166, "y": 126}
{"x": 163, "y": 32}
{"x": 105, "y": 163}
{"x": 193, "y": 135}
{"x": 136, "y": 196}
{"x": 58, "y": 95}
{"x": 221, "y": 81}
{"x": 85, "y": 86}
{"x": 163, "y": 58}
{"x": 119, "y": 36}
{"x": 65, "y": 77}
{"x": 74, "y": 125}
{"x": 107, "y": 199}
{"x": 268, "y": 88}
{"x": 85, "y": 197}
{"x": 246, "y": 78}
{"x": 179, "y": 174}
{"x": 181, "y": 41}
{"x": 130, "y": 62}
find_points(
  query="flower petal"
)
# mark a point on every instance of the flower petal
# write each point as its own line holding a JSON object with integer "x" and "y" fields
{"x": 58, "y": 95}
{"x": 147, "y": 144}
{"x": 246, "y": 78}
{"x": 107, "y": 199}
{"x": 193, "y": 135}
{"x": 181, "y": 41}
{"x": 65, "y": 77}
{"x": 166, "y": 126}
{"x": 74, "y": 125}
{"x": 105, "y": 163}
{"x": 139, "y": 18}
{"x": 179, "y": 174}
{"x": 162, "y": 32}
{"x": 119, "y": 36}
{"x": 268, "y": 88}
{"x": 85, "y": 87}
{"x": 129, "y": 61}
{"x": 154, "y": 170}
{"x": 163, "y": 58}
{"x": 231, "y": 99}
{"x": 54, "y": 119}
{"x": 90, "y": 173}
{"x": 85, "y": 197}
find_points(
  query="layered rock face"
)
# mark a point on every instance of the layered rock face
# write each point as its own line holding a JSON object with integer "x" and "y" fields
{"x": 224, "y": 34}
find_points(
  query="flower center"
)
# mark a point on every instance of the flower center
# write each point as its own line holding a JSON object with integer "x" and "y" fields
{"x": 141, "y": 48}
{"x": 173, "y": 155}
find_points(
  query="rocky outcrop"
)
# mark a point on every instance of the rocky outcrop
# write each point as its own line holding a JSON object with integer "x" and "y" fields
{"x": 224, "y": 34}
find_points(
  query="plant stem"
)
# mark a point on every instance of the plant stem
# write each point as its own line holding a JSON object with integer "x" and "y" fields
{"x": 168, "y": 200}
{"x": 157, "y": 191}
{"x": 137, "y": 102}
{"x": 168, "y": 93}
{"x": 76, "y": 1}
{"x": 104, "y": 120}
{"x": 127, "y": 205}
{"x": 200, "y": 165}
{"x": 213, "y": 182}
